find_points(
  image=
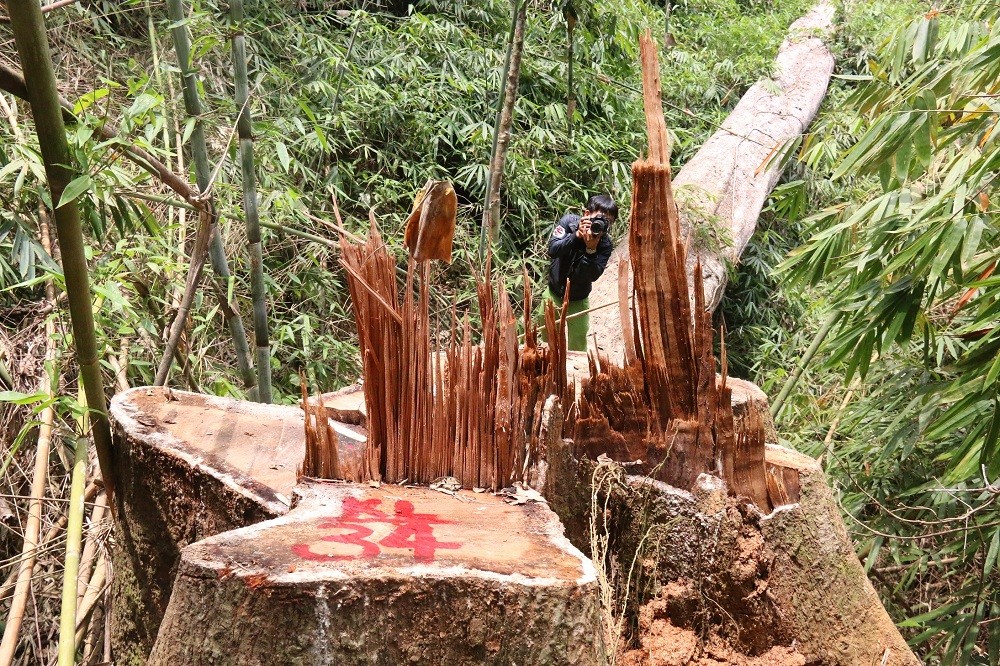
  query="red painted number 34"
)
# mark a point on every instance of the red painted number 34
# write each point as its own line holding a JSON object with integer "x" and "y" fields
{"x": 410, "y": 530}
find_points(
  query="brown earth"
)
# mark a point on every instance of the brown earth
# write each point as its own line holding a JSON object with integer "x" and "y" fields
{"x": 667, "y": 637}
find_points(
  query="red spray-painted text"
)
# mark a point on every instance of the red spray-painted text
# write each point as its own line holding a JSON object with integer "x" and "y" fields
{"x": 410, "y": 530}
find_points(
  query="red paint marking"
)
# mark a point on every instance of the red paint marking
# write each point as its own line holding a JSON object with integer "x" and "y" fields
{"x": 412, "y": 531}
{"x": 416, "y": 526}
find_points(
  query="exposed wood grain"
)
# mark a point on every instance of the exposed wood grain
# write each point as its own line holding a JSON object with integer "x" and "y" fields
{"x": 471, "y": 411}
{"x": 665, "y": 407}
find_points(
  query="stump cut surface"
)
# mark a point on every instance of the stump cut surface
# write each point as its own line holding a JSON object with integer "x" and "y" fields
{"x": 258, "y": 446}
{"x": 365, "y": 575}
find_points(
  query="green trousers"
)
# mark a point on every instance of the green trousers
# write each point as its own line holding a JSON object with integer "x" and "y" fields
{"x": 576, "y": 327}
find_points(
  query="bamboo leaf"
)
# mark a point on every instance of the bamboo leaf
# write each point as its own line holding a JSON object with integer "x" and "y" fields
{"x": 74, "y": 189}
{"x": 88, "y": 99}
{"x": 18, "y": 398}
{"x": 282, "y": 150}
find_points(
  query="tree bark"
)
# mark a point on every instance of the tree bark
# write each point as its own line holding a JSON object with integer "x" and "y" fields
{"x": 192, "y": 466}
{"x": 715, "y": 566}
{"x": 725, "y": 185}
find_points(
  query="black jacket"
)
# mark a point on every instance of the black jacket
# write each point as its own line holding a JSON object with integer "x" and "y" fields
{"x": 570, "y": 260}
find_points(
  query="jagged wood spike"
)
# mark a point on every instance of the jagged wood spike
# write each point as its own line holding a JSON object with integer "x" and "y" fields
{"x": 666, "y": 406}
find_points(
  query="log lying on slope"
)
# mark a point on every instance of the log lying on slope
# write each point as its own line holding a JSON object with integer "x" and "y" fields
{"x": 723, "y": 184}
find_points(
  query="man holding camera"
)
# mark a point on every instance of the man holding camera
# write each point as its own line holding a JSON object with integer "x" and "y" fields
{"x": 579, "y": 248}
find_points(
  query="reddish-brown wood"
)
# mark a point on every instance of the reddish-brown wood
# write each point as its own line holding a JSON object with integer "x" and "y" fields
{"x": 470, "y": 411}
{"x": 430, "y": 228}
{"x": 666, "y": 407}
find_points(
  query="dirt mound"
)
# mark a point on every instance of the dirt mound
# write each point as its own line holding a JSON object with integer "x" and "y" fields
{"x": 667, "y": 639}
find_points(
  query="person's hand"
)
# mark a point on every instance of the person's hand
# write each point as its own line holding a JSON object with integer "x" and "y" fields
{"x": 583, "y": 233}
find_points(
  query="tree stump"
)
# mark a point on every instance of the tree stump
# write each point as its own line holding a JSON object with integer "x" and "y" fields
{"x": 389, "y": 575}
{"x": 357, "y": 574}
{"x": 190, "y": 466}
{"x": 714, "y": 567}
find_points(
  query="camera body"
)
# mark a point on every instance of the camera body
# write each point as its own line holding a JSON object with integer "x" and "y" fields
{"x": 599, "y": 224}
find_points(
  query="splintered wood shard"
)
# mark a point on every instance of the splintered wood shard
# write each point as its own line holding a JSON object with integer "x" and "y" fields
{"x": 472, "y": 410}
{"x": 322, "y": 454}
{"x": 666, "y": 407}
{"x": 430, "y": 228}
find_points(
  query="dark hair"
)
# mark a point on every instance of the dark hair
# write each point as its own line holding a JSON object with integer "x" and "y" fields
{"x": 604, "y": 204}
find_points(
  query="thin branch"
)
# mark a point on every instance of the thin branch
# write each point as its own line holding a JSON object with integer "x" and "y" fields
{"x": 12, "y": 81}
{"x": 46, "y": 8}
{"x": 203, "y": 237}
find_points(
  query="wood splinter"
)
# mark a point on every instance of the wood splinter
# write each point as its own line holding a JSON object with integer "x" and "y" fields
{"x": 666, "y": 406}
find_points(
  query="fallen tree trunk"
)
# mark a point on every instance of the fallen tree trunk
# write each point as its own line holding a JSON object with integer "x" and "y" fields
{"x": 726, "y": 184}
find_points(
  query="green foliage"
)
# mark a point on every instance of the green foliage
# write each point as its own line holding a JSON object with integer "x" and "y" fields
{"x": 361, "y": 103}
{"x": 903, "y": 248}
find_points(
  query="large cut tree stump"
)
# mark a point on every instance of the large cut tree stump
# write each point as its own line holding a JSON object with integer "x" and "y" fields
{"x": 714, "y": 567}
{"x": 740, "y": 547}
{"x": 351, "y": 574}
{"x": 190, "y": 466}
{"x": 389, "y": 575}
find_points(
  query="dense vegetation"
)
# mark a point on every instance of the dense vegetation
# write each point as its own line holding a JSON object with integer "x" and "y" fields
{"x": 890, "y": 197}
{"x": 359, "y": 103}
{"x": 364, "y": 106}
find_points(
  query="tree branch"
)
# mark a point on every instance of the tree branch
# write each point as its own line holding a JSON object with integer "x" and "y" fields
{"x": 12, "y": 81}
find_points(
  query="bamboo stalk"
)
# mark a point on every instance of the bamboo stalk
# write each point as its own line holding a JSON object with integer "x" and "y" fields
{"x": 29, "y": 33}
{"x": 31, "y": 533}
{"x": 33, "y": 524}
{"x": 793, "y": 379}
{"x": 74, "y": 537}
{"x": 203, "y": 174}
{"x": 569, "y": 12}
{"x": 501, "y": 127}
{"x": 243, "y": 126}
{"x": 89, "y": 550}
{"x": 170, "y": 124}
{"x": 94, "y": 591}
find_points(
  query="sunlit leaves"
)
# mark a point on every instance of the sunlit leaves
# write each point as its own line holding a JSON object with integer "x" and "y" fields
{"x": 909, "y": 265}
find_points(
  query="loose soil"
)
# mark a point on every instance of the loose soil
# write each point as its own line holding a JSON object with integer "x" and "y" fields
{"x": 666, "y": 640}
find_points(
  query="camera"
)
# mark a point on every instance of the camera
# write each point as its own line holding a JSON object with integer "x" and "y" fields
{"x": 599, "y": 225}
